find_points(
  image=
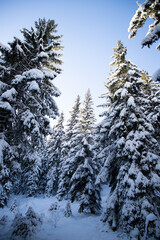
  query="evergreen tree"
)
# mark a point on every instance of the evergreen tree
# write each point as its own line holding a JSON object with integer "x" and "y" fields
{"x": 68, "y": 146}
{"x": 80, "y": 161}
{"x": 25, "y": 227}
{"x": 6, "y": 158}
{"x": 131, "y": 166}
{"x": 149, "y": 9}
{"x": 30, "y": 66}
{"x": 68, "y": 210}
{"x": 87, "y": 114}
{"x": 100, "y": 146}
{"x": 73, "y": 119}
{"x": 31, "y": 173}
{"x": 9, "y": 167}
{"x": 54, "y": 157}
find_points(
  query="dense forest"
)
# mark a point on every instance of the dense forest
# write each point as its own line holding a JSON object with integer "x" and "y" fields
{"x": 75, "y": 161}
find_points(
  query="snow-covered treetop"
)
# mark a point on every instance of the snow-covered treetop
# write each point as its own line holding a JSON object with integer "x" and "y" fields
{"x": 119, "y": 54}
{"x": 44, "y": 43}
{"x": 38, "y": 49}
{"x": 74, "y": 114}
{"x": 117, "y": 82}
{"x": 149, "y": 9}
{"x": 87, "y": 113}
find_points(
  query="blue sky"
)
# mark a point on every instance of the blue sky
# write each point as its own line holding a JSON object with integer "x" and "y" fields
{"x": 90, "y": 30}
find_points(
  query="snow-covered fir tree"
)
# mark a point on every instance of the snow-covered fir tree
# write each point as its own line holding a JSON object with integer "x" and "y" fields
{"x": 33, "y": 64}
{"x": 68, "y": 144}
{"x": 54, "y": 157}
{"x": 9, "y": 168}
{"x": 131, "y": 167}
{"x": 6, "y": 158}
{"x": 24, "y": 227}
{"x": 81, "y": 166}
{"x": 100, "y": 146}
{"x": 38, "y": 102}
{"x": 74, "y": 116}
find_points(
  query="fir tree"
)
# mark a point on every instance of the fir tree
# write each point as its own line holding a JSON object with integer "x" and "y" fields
{"x": 68, "y": 145}
{"x": 27, "y": 69}
{"x": 80, "y": 161}
{"x": 6, "y": 158}
{"x": 73, "y": 118}
{"x": 54, "y": 157}
{"x": 100, "y": 147}
{"x": 24, "y": 227}
{"x": 131, "y": 166}
{"x": 35, "y": 94}
{"x": 8, "y": 165}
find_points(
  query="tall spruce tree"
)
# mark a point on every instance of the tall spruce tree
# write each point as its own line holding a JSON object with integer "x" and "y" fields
{"x": 9, "y": 168}
{"x": 132, "y": 163}
{"x": 73, "y": 119}
{"x": 54, "y": 157}
{"x": 68, "y": 144}
{"x": 100, "y": 146}
{"x": 80, "y": 161}
{"x": 33, "y": 64}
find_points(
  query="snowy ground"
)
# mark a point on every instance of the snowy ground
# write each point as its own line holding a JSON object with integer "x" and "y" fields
{"x": 58, "y": 227}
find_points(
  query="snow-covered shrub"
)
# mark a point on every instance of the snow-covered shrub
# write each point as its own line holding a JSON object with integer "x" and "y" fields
{"x": 152, "y": 222}
{"x": 33, "y": 217}
{"x": 54, "y": 206}
{"x": 68, "y": 210}
{"x": 24, "y": 227}
{"x": 21, "y": 228}
{"x": 14, "y": 206}
{"x": 54, "y": 209}
{"x": 3, "y": 220}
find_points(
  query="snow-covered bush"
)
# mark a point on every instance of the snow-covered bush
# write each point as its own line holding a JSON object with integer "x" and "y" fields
{"x": 21, "y": 228}
{"x": 3, "y": 220}
{"x": 14, "y": 206}
{"x": 33, "y": 217}
{"x": 68, "y": 210}
{"x": 54, "y": 209}
{"x": 24, "y": 227}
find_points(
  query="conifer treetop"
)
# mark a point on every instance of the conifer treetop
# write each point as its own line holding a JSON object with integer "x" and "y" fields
{"x": 123, "y": 69}
{"x": 119, "y": 54}
{"x": 87, "y": 113}
{"x": 74, "y": 114}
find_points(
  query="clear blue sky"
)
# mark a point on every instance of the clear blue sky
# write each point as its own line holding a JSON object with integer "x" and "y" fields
{"x": 90, "y": 29}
